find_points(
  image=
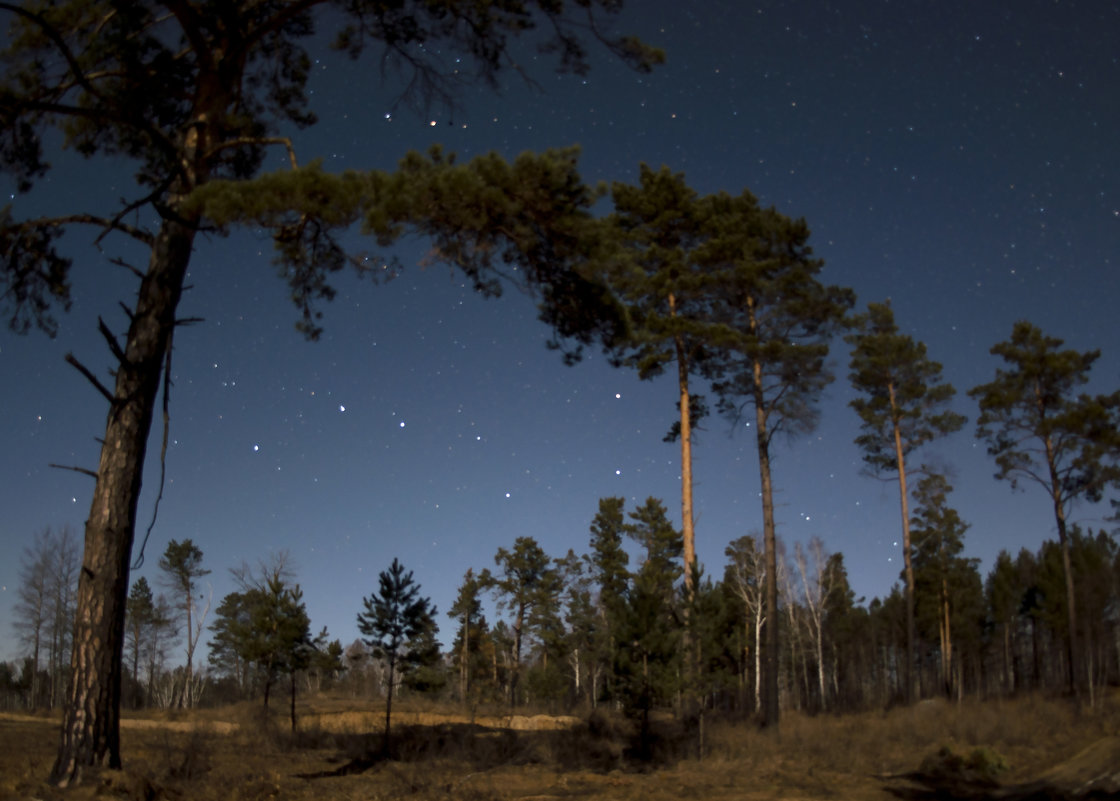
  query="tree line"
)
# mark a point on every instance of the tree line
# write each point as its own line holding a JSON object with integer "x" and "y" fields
{"x": 606, "y": 628}
{"x": 721, "y": 289}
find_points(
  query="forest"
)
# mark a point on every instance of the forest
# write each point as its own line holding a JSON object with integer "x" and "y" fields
{"x": 716, "y": 290}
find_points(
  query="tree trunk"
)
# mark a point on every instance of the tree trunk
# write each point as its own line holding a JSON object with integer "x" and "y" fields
{"x": 770, "y": 710}
{"x": 91, "y": 723}
{"x": 292, "y": 705}
{"x": 1056, "y": 497}
{"x": 909, "y": 567}
{"x": 389, "y": 701}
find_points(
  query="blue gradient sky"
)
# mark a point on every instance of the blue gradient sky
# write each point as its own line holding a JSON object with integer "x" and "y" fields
{"x": 958, "y": 158}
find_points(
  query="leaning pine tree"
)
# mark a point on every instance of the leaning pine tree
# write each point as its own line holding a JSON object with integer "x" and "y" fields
{"x": 181, "y": 94}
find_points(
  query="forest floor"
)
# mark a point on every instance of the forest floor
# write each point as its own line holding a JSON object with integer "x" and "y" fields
{"x": 336, "y": 754}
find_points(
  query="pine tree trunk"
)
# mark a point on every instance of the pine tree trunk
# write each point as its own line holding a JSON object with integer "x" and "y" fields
{"x": 389, "y": 702}
{"x": 91, "y": 723}
{"x": 906, "y": 561}
{"x": 770, "y": 709}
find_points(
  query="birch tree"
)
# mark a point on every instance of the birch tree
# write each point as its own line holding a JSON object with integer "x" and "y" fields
{"x": 746, "y": 575}
{"x": 816, "y": 588}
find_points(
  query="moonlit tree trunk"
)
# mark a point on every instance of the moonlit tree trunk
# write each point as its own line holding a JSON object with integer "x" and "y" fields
{"x": 907, "y": 562}
{"x": 91, "y": 723}
{"x": 770, "y": 709}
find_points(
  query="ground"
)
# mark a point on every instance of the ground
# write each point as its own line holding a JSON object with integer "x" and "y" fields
{"x": 236, "y": 753}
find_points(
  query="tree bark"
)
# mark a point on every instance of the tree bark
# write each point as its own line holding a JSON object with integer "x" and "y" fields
{"x": 91, "y": 723}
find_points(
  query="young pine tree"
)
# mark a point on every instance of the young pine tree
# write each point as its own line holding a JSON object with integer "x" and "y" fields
{"x": 398, "y": 624}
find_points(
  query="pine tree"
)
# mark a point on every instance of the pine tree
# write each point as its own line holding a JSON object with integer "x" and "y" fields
{"x": 609, "y": 562}
{"x": 779, "y": 319}
{"x": 1004, "y": 595}
{"x": 179, "y": 95}
{"x": 467, "y": 609}
{"x": 651, "y": 662}
{"x": 657, "y": 227}
{"x": 1038, "y": 430}
{"x": 939, "y": 571}
{"x": 399, "y": 625}
{"x": 903, "y": 407}
{"x": 528, "y": 585}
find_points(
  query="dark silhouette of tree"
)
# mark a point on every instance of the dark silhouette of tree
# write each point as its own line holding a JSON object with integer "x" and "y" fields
{"x": 181, "y": 94}
{"x": 149, "y": 622}
{"x": 609, "y": 562}
{"x": 528, "y": 585}
{"x": 467, "y": 609}
{"x": 780, "y": 318}
{"x": 399, "y": 625}
{"x": 264, "y": 623}
{"x": 1038, "y": 430}
{"x": 903, "y": 406}
{"x": 43, "y": 614}
{"x": 650, "y": 663}
{"x": 941, "y": 574}
{"x": 1004, "y": 595}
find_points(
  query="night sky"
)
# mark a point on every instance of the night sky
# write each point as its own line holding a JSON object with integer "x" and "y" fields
{"x": 959, "y": 158}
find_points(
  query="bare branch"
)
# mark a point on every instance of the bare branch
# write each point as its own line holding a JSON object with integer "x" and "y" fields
{"x": 138, "y": 234}
{"x": 258, "y": 140}
{"x": 122, "y": 263}
{"x": 81, "y": 368}
{"x": 81, "y": 470}
{"x": 111, "y": 340}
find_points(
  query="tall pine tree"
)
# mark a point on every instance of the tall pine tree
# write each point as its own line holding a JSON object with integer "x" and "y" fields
{"x": 1039, "y": 430}
{"x": 779, "y": 319}
{"x": 903, "y": 406}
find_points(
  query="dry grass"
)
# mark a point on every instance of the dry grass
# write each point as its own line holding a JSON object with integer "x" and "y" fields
{"x": 336, "y": 754}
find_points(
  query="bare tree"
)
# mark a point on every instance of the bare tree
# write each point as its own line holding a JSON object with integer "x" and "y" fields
{"x": 32, "y": 599}
{"x": 816, "y": 586}
{"x": 44, "y": 610}
{"x": 746, "y": 575}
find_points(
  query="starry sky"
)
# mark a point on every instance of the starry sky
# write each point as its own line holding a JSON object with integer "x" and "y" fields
{"x": 957, "y": 158}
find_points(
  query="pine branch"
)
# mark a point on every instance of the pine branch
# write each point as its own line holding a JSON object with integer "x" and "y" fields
{"x": 56, "y": 38}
